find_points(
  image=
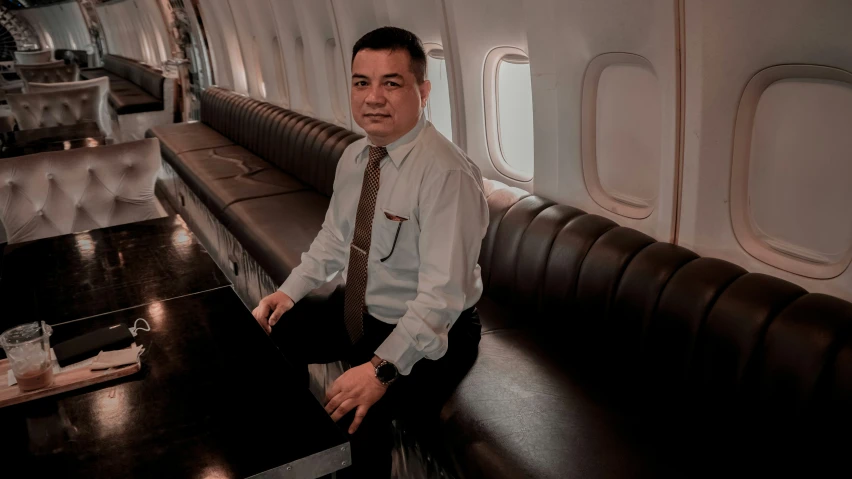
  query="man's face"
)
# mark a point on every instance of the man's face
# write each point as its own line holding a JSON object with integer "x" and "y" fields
{"x": 386, "y": 98}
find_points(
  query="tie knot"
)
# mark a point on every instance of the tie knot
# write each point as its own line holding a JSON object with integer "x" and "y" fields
{"x": 377, "y": 153}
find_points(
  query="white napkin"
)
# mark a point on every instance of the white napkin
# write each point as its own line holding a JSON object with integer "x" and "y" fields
{"x": 108, "y": 359}
{"x": 114, "y": 359}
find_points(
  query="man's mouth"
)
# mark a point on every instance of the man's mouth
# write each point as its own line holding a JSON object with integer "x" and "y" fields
{"x": 376, "y": 115}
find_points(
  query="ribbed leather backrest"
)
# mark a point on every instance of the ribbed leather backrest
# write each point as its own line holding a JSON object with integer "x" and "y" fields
{"x": 145, "y": 77}
{"x": 662, "y": 316}
{"x": 304, "y": 147}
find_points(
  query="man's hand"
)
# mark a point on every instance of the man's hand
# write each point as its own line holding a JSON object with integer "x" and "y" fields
{"x": 277, "y": 304}
{"x": 358, "y": 388}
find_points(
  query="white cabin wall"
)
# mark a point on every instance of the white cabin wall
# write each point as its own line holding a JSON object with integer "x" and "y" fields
{"x": 727, "y": 43}
{"x": 261, "y": 24}
{"x": 220, "y": 62}
{"x": 252, "y": 34}
{"x": 567, "y": 40}
{"x": 474, "y": 28}
{"x": 288, "y": 32}
{"x": 225, "y": 48}
{"x": 317, "y": 28}
{"x": 136, "y": 29}
{"x": 59, "y": 26}
{"x": 421, "y": 17}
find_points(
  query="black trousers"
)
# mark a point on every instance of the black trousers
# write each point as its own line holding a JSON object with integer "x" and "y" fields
{"x": 313, "y": 332}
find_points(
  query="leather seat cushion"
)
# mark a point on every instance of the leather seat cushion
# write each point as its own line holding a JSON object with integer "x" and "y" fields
{"x": 521, "y": 413}
{"x": 134, "y": 88}
{"x": 494, "y": 316}
{"x": 92, "y": 73}
{"x": 119, "y": 85}
{"x": 276, "y": 230}
{"x": 225, "y": 175}
{"x": 133, "y": 100}
{"x": 180, "y": 138}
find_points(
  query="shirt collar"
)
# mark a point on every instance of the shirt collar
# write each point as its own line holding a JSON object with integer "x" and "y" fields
{"x": 399, "y": 149}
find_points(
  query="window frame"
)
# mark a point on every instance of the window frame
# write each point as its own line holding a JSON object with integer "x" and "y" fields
{"x": 491, "y": 102}
{"x": 588, "y": 136}
{"x": 307, "y": 104}
{"x": 258, "y": 69}
{"x": 283, "y": 83}
{"x": 430, "y": 49}
{"x": 744, "y": 226}
{"x": 333, "y": 74}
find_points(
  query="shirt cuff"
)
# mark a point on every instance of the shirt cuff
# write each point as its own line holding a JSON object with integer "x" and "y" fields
{"x": 397, "y": 350}
{"x": 296, "y": 287}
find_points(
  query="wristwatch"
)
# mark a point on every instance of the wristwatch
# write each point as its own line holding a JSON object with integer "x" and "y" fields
{"x": 386, "y": 372}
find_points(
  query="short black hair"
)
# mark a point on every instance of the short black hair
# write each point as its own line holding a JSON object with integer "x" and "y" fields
{"x": 393, "y": 38}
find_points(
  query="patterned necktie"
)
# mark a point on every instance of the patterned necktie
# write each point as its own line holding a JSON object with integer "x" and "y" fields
{"x": 356, "y": 274}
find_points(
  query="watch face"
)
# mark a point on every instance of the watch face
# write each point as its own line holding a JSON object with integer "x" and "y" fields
{"x": 386, "y": 372}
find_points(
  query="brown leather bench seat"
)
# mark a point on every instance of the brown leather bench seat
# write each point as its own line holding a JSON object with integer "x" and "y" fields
{"x": 134, "y": 88}
{"x": 604, "y": 353}
{"x": 274, "y": 212}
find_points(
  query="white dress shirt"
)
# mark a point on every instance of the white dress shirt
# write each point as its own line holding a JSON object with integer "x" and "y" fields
{"x": 432, "y": 274}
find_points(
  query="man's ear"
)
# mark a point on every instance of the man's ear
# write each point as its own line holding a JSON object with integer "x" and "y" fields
{"x": 425, "y": 90}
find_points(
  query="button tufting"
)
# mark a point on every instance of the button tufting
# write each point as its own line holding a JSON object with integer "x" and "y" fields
{"x": 40, "y": 213}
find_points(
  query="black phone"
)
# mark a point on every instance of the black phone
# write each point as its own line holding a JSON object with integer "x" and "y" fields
{"x": 90, "y": 344}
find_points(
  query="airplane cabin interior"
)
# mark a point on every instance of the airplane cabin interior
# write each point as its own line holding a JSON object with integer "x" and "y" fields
{"x": 632, "y": 219}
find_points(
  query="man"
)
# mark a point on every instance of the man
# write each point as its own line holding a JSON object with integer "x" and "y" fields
{"x": 404, "y": 225}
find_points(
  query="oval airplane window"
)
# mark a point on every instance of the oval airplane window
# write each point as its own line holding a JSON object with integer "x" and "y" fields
{"x": 621, "y": 136}
{"x": 438, "y": 106}
{"x": 790, "y": 171}
{"x": 283, "y": 88}
{"x": 333, "y": 70}
{"x": 258, "y": 71}
{"x": 509, "y": 112}
{"x": 307, "y": 109}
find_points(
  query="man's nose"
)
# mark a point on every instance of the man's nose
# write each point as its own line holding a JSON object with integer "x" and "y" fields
{"x": 376, "y": 96}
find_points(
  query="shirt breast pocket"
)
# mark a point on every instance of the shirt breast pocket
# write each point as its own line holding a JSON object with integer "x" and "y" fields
{"x": 395, "y": 240}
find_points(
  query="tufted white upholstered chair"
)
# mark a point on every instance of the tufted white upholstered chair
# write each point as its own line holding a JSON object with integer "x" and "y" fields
{"x": 54, "y": 108}
{"x": 52, "y": 72}
{"x": 55, "y": 193}
{"x": 28, "y": 58}
{"x": 104, "y": 118}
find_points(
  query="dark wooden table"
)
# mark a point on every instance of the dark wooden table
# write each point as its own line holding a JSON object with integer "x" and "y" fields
{"x": 215, "y": 397}
{"x": 54, "y": 138}
{"x": 75, "y": 276}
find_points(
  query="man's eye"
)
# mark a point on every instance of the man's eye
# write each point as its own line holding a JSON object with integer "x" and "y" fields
{"x": 392, "y": 84}
{"x": 360, "y": 83}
